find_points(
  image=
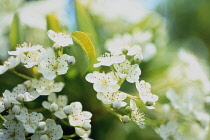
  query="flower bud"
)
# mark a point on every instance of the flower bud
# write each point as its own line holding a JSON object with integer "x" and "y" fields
{"x": 71, "y": 60}
{"x": 116, "y": 105}
{"x": 16, "y": 109}
{"x": 124, "y": 51}
{"x": 56, "y": 47}
{"x": 7, "y": 104}
{"x": 138, "y": 58}
{"x": 68, "y": 110}
{"x": 20, "y": 98}
{"x": 41, "y": 126}
{"x": 125, "y": 119}
{"x": 86, "y": 126}
{"x": 44, "y": 137}
{"x": 53, "y": 107}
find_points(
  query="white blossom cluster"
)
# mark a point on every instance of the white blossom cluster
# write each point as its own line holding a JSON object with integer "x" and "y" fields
{"x": 124, "y": 64}
{"x": 22, "y": 123}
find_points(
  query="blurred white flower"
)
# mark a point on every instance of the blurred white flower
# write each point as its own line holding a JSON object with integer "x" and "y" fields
{"x": 170, "y": 130}
{"x": 110, "y": 98}
{"x": 51, "y": 65}
{"x": 30, "y": 120}
{"x": 128, "y": 71}
{"x": 2, "y": 108}
{"x": 108, "y": 59}
{"x": 136, "y": 115}
{"x": 53, "y": 131}
{"x": 14, "y": 131}
{"x": 103, "y": 82}
{"x": 45, "y": 87}
{"x": 60, "y": 39}
{"x": 60, "y": 102}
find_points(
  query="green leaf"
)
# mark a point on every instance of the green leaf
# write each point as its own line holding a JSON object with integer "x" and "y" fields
{"x": 15, "y": 31}
{"x": 86, "y": 25}
{"x": 85, "y": 42}
{"x": 84, "y": 51}
{"x": 53, "y": 23}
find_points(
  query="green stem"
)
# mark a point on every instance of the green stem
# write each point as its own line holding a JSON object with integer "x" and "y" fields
{"x": 21, "y": 75}
{"x": 113, "y": 112}
{"x": 69, "y": 136}
{"x": 2, "y": 118}
{"x": 121, "y": 81}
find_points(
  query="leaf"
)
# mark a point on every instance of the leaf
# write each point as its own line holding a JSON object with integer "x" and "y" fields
{"x": 53, "y": 23}
{"x": 86, "y": 25}
{"x": 15, "y": 31}
{"x": 84, "y": 51}
{"x": 85, "y": 42}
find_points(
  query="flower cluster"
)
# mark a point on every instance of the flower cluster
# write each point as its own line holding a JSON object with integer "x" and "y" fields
{"x": 124, "y": 64}
{"x": 22, "y": 122}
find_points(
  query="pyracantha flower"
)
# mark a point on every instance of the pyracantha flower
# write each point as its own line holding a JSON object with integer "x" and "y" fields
{"x": 109, "y": 59}
{"x": 136, "y": 115}
{"x": 32, "y": 58}
{"x": 128, "y": 71}
{"x": 145, "y": 94}
{"x": 9, "y": 64}
{"x": 77, "y": 116}
{"x": 30, "y": 120}
{"x": 14, "y": 131}
{"x": 56, "y": 105}
{"x": 82, "y": 133}
{"x": 60, "y": 39}
{"x": 113, "y": 98}
{"x": 51, "y": 65}
{"x": 25, "y": 47}
{"x": 45, "y": 87}
{"x": 103, "y": 82}
{"x": 53, "y": 131}
{"x": 18, "y": 91}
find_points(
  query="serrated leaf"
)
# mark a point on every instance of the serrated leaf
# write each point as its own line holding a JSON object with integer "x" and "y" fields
{"x": 53, "y": 23}
{"x": 15, "y": 31}
{"x": 86, "y": 25}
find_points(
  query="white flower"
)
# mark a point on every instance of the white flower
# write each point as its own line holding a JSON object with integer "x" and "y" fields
{"x": 128, "y": 71}
{"x": 2, "y": 108}
{"x": 110, "y": 98}
{"x": 30, "y": 120}
{"x": 145, "y": 94}
{"x": 45, "y": 87}
{"x": 10, "y": 63}
{"x": 53, "y": 131}
{"x": 61, "y": 102}
{"x": 108, "y": 59}
{"x": 103, "y": 82}
{"x": 170, "y": 130}
{"x": 32, "y": 58}
{"x": 82, "y": 133}
{"x": 60, "y": 39}
{"x": 25, "y": 47}
{"x": 78, "y": 117}
{"x": 14, "y": 131}
{"x": 136, "y": 115}
{"x": 133, "y": 50}
{"x": 51, "y": 65}
{"x": 19, "y": 90}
